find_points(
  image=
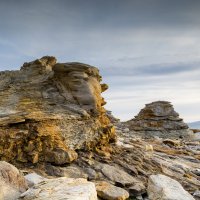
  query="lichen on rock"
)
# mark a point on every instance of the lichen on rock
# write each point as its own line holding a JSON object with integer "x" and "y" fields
{"x": 159, "y": 119}
{"x": 48, "y": 110}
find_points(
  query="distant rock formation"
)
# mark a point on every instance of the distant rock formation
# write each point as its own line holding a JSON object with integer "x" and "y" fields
{"x": 159, "y": 119}
{"x": 49, "y": 109}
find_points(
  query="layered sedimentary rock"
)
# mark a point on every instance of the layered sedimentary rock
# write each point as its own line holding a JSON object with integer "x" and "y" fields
{"x": 159, "y": 119}
{"x": 135, "y": 159}
{"x": 61, "y": 188}
{"x": 49, "y": 109}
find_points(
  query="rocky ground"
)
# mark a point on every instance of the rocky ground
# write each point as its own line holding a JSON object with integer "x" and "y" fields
{"x": 65, "y": 145}
{"x": 123, "y": 170}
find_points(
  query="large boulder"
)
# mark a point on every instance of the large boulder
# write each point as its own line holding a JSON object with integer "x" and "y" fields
{"x": 62, "y": 188}
{"x": 12, "y": 182}
{"x": 165, "y": 188}
{"x": 159, "y": 119}
{"x": 48, "y": 110}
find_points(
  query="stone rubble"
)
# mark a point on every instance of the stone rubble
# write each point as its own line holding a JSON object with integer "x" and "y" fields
{"x": 116, "y": 175}
{"x": 33, "y": 179}
{"x": 197, "y": 195}
{"x": 159, "y": 119}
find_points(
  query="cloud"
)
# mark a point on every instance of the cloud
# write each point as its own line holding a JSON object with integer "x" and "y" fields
{"x": 145, "y": 50}
{"x": 161, "y": 69}
{"x": 129, "y": 93}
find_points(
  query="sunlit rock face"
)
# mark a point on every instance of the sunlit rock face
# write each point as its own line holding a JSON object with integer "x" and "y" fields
{"x": 49, "y": 109}
{"x": 83, "y": 83}
{"x": 159, "y": 119}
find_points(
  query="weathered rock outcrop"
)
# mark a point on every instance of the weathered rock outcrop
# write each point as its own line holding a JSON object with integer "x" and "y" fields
{"x": 159, "y": 119}
{"x": 49, "y": 109}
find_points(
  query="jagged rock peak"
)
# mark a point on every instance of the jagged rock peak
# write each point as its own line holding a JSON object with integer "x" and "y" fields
{"x": 49, "y": 63}
{"x": 50, "y": 109}
{"x": 157, "y": 118}
{"x": 39, "y": 63}
{"x": 160, "y": 109}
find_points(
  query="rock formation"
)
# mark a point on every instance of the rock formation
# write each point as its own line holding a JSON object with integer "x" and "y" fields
{"x": 48, "y": 110}
{"x": 52, "y": 114}
{"x": 159, "y": 119}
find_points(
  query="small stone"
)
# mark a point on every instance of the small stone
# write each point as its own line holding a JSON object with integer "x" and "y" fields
{"x": 126, "y": 130}
{"x": 110, "y": 192}
{"x": 118, "y": 132}
{"x": 148, "y": 147}
{"x": 92, "y": 175}
{"x": 33, "y": 179}
{"x": 60, "y": 156}
{"x": 12, "y": 182}
{"x": 137, "y": 189}
{"x": 35, "y": 158}
{"x": 171, "y": 142}
{"x": 116, "y": 175}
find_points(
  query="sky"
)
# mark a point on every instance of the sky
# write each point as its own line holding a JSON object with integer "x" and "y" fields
{"x": 146, "y": 50}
